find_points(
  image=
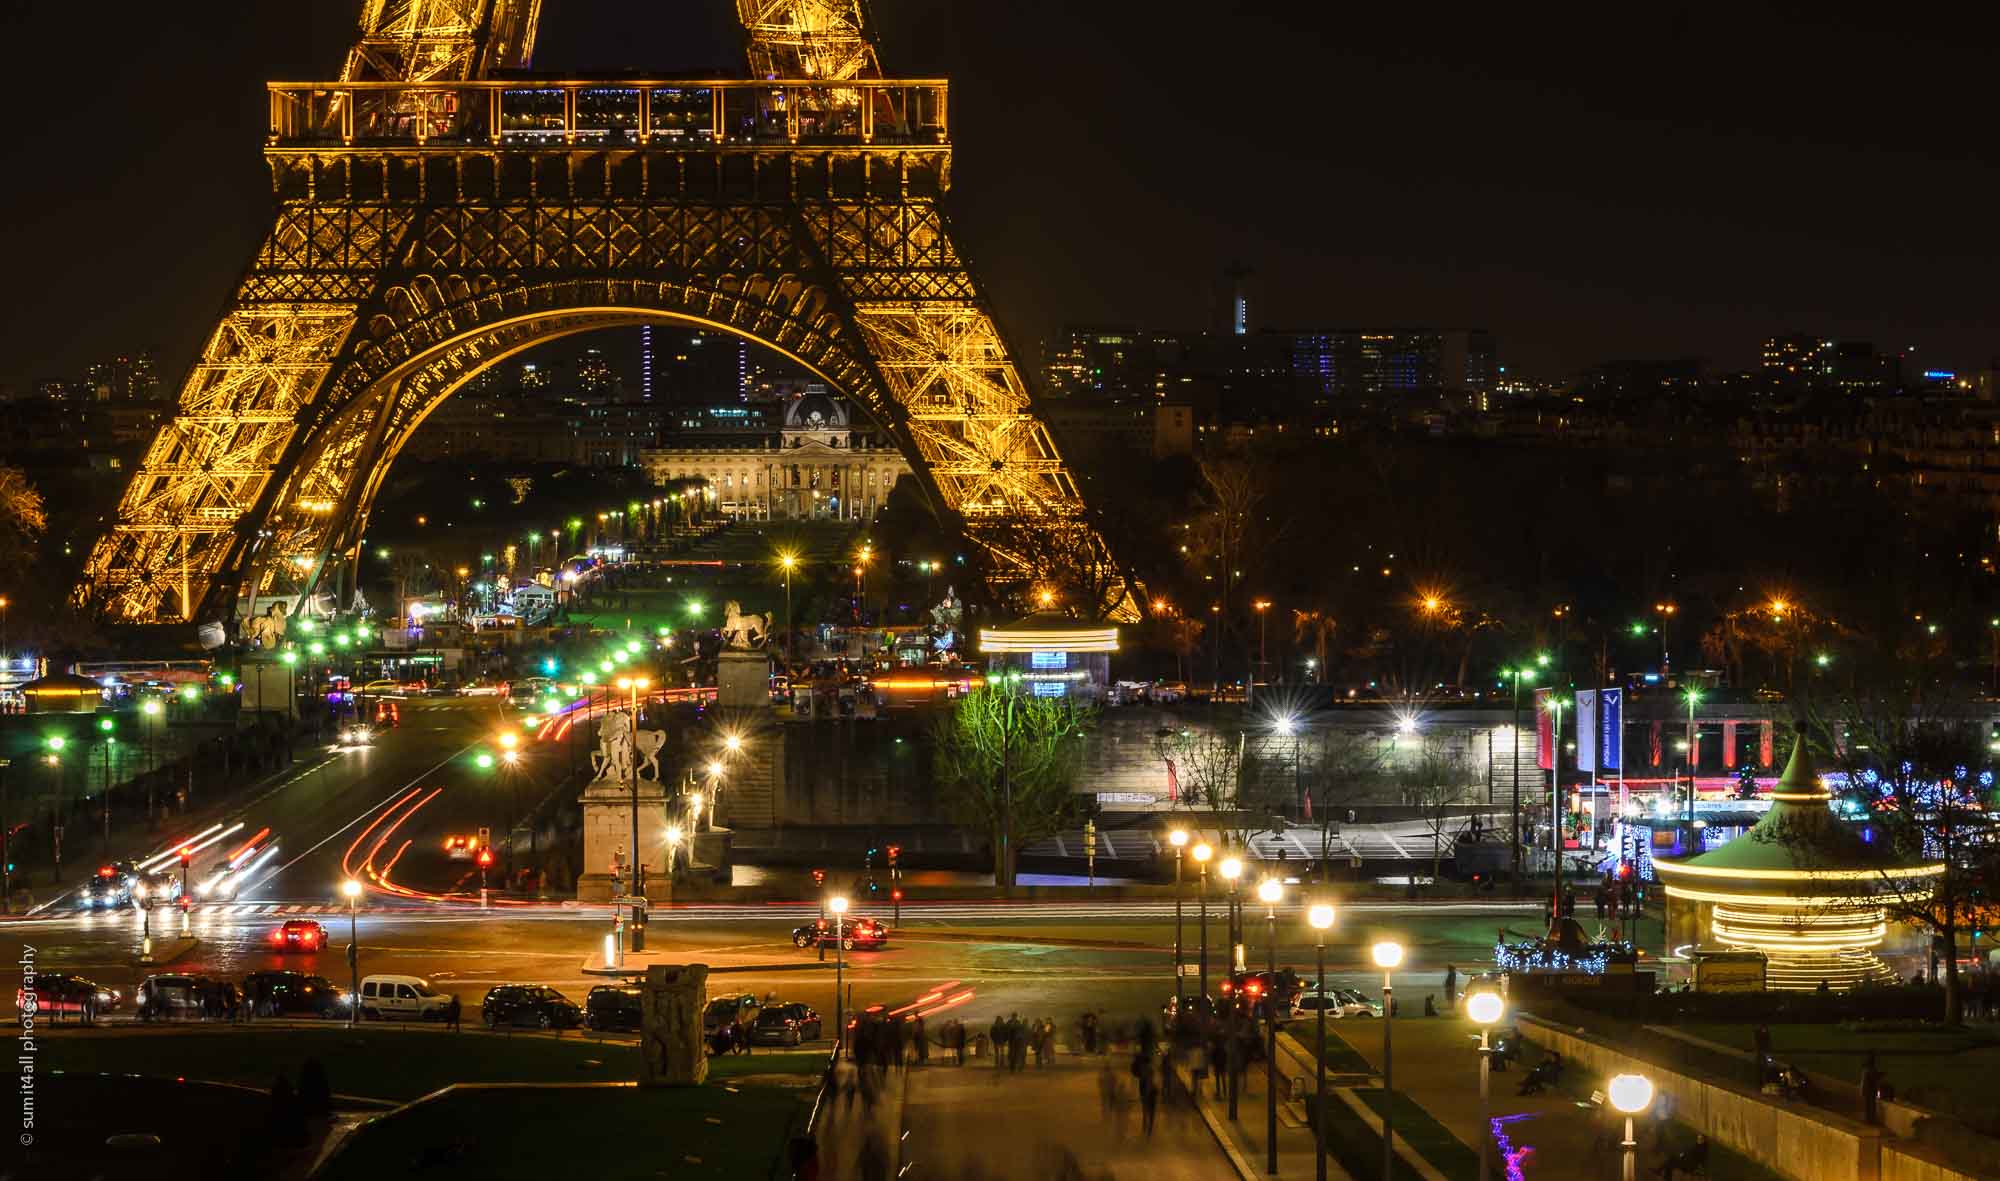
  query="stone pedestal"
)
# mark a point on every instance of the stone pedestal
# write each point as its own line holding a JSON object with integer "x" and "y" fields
{"x": 743, "y": 707}
{"x": 671, "y": 1053}
{"x": 743, "y": 679}
{"x": 607, "y": 830}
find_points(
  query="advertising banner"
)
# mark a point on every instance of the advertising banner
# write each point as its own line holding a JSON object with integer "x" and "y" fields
{"x": 1611, "y": 730}
{"x": 1545, "y": 739}
{"x": 1586, "y": 729}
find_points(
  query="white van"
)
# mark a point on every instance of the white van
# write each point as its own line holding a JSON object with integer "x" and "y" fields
{"x": 401, "y": 997}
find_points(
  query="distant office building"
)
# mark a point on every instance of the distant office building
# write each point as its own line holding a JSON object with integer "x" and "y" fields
{"x": 1793, "y": 362}
{"x": 130, "y": 378}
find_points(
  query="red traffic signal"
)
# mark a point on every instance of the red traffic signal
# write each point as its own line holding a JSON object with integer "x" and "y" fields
{"x": 187, "y": 855}
{"x": 1624, "y": 870}
{"x": 896, "y": 895}
{"x": 485, "y": 858}
{"x": 895, "y": 851}
{"x": 819, "y": 877}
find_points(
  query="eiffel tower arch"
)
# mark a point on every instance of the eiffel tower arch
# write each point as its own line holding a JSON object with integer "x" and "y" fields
{"x": 433, "y": 219}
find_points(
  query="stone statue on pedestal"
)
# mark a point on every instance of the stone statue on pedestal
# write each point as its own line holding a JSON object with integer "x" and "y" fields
{"x": 618, "y": 746}
{"x": 267, "y": 631}
{"x": 946, "y": 619}
{"x": 744, "y": 632}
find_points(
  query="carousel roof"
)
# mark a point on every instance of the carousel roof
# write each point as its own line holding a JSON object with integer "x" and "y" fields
{"x": 1799, "y": 835}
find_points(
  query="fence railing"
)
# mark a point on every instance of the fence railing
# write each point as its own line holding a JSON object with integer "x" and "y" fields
{"x": 538, "y": 114}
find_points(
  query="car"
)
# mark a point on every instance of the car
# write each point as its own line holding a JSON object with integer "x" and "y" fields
{"x": 1338, "y": 1003}
{"x": 483, "y": 689}
{"x": 383, "y": 686}
{"x": 786, "y": 1024}
{"x": 285, "y": 994}
{"x": 461, "y": 848}
{"x": 355, "y": 734}
{"x": 1169, "y": 692}
{"x": 298, "y": 935}
{"x": 62, "y": 995}
{"x": 859, "y": 931}
{"x": 107, "y": 889}
{"x": 529, "y": 1004}
{"x": 734, "y": 1009}
{"x": 178, "y": 997}
{"x": 401, "y": 997}
{"x": 612, "y": 1006}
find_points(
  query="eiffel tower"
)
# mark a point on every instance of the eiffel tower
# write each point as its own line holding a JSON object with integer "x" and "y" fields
{"x": 439, "y": 208}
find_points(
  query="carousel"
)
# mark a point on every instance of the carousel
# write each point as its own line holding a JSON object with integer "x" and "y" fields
{"x": 1802, "y": 887}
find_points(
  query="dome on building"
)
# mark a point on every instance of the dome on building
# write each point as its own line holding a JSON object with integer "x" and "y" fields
{"x": 1800, "y": 886}
{"x": 816, "y": 411}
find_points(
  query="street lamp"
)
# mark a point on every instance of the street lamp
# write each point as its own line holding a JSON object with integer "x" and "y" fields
{"x": 1178, "y": 838}
{"x": 1485, "y": 1008}
{"x": 1388, "y": 954}
{"x": 638, "y": 885}
{"x": 1630, "y": 1094}
{"x": 145, "y": 906}
{"x": 838, "y": 905}
{"x": 1232, "y": 869}
{"x": 790, "y": 562}
{"x": 1260, "y": 606}
{"x": 352, "y": 889}
{"x": 1320, "y": 917}
{"x": 1201, "y": 853}
{"x": 1269, "y": 891}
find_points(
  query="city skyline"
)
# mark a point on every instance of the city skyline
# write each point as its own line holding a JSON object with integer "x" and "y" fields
{"x": 1561, "y": 221}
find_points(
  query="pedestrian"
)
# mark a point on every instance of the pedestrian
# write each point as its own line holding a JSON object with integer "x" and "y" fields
{"x": 1000, "y": 1043}
{"x": 1451, "y": 986}
{"x": 1762, "y": 1040}
{"x": 452, "y": 1010}
{"x": 1089, "y": 1024}
{"x": 922, "y": 1043}
{"x": 1149, "y": 1090}
{"x": 1871, "y": 1087}
{"x": 957, "y": 1034}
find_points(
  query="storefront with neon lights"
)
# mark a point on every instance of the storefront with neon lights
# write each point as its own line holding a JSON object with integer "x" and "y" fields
{"x": 1801, "y": 886}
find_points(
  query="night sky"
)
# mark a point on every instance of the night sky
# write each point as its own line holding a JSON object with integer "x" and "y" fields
{"x": 1587, "y": 182}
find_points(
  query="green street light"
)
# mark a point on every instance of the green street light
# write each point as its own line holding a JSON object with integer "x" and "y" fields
{"x": 1542, "y": 658}
{"x": 306, "y": 626}
{"x": 57, "y": 742}
{"x": 106, "y": 724}
{"x": 694, "y": 608}
{"x": 317, "y": 648}
{"x": 604, "y": 666}
{"x": 189, "y": 694}
{"x": 1823, "y": 660}
{"x": 484, "y": 761}
{"x": 1638, "y": 629}
{"x": 290, "y": 657}
{"x": 226, "y": 680}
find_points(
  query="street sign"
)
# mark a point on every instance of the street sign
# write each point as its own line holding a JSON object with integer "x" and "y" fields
{"x": 1191, "y": 969}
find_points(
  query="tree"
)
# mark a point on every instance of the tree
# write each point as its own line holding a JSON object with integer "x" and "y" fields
{"x": 1335, "y": 765}
{"x": 23, "y": 515}
{"x": 1433, "y": 780}
{"x": 1010, "y": 763}
{"x": 1314, "y": 627}
{"x": 1919, "y": 770}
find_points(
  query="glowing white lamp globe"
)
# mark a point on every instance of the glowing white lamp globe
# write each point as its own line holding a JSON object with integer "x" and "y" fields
{"x": 1270, "y": 890}
{"x": 1388, "y": 954}
{"x": 1630, "y": 1093}
{"x": 1484, "y": 1007}
{"x": 1320, "y": 916}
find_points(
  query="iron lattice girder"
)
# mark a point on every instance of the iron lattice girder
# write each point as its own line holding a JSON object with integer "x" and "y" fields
{"x": 359, "y": 316}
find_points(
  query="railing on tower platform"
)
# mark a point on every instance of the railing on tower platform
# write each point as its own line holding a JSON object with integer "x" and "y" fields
{"x": 662, "y": 114}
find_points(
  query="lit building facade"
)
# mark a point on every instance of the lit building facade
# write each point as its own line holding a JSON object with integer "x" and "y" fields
{"x": 818, "y": 466}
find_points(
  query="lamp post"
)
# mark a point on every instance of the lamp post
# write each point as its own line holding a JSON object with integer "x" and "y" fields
{"x": 1693, "y": 752}
{"x": 1555, "y": 710}
{"x": 352, "y": 889}
{"x": 1630, "y": 1094}
{"x": 56, "y": 743}
{"x": 1260, "y": 606}
{"x": 1232, "y": 870}
{"x": 1388, "y": 954}
{"x": 789, "y": 562}
{"x": 1178, "y": 838}
{"x": 1517, "y": 674}
{"x": 838, "y": 905}
{"x": 1269, "y": 891}
{"x": 1485, "y": 1008}
{"x": 1320, "y": 917}
{"x": 638, "y": 885}
{"x": 145, "y": 906}
{"x": 1202, "y": 852}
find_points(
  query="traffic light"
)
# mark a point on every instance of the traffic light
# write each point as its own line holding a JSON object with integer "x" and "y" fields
{"x": 486, "y": 858}
{"x": 895, "y": 851}
{"x": 819, "y": 877}
{"x": 896, "y": 894}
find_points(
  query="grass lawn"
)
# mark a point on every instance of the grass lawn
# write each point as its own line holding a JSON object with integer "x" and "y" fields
{"x": 201, "y": 1129}
{"x": 1341, "y": 1058}
{"x": 713, "y": 1131}
{"x": 379, "y": 1063}
{"x": 1950, "y": 1070}
{"x": 1425, "y": 1136}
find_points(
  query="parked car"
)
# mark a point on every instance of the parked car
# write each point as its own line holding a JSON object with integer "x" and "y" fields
{"x": 785, "y": 1025}
{"x": 177, "y": 997}
{"x": 62, "y": 996}
{"x": 287, "y": 994}
{"x": 1338, "y": 1002}
{"x": 483, "y": 688}
{"x": 859, "y": 931}
{"x": 298, "y": 935}
{"x": 612, "y": 1006}
{"x": 529, "y": 1004}
{"x": 404, "y": 997}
